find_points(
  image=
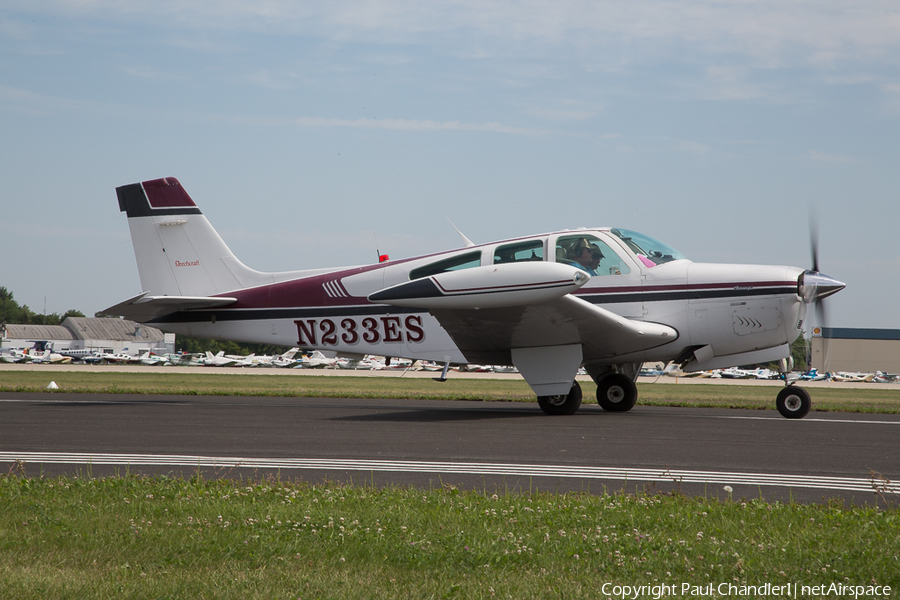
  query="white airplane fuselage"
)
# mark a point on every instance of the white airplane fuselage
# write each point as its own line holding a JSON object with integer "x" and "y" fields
{"x": 525, "y": 301}
{"x": 734, "y": 309}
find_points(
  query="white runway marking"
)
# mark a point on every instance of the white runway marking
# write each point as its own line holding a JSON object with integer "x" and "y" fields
{"x": 805, "y": 420}
{"x": 849, "y": 484}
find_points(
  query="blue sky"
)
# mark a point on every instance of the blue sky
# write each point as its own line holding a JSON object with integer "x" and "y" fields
{"x": 311, "y": 132}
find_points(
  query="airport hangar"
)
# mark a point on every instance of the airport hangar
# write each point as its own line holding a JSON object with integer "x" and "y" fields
{"x": 858, "y": 350}
{"x": 86, "y": 333}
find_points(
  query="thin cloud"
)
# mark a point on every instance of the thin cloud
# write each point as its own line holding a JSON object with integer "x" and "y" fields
{"x": 772, "y": 33}
{"x": 415, "y": 125}
{"x": 823, "y": 157}
{"x": 13, "y": 98}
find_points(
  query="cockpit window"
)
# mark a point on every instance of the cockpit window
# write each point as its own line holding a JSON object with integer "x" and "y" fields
{"x": 650, "y": 251}
{"x": 456, "y": 263}
{"x": 589, "y": 254}
{"x": 520, "y": 252}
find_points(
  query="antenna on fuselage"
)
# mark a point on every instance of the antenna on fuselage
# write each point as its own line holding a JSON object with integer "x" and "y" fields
{"x": 381, "y": 257}
{"x": 466, "y": 241}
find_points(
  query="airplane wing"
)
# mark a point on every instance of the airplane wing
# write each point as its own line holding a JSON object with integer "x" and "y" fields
{"x": 493, "y": 311}
{"x": 488, "y": 335}
{"x": 143, "y": 308}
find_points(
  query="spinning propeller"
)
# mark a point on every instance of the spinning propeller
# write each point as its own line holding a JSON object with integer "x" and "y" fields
{"x": 813, "y": 286}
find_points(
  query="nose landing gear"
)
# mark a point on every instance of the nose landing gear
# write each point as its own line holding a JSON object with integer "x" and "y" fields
{"x": 792, "y": 402}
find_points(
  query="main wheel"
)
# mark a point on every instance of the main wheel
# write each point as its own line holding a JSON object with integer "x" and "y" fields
{"x": 562, "y": 404}
{"x": 793, "y": 402}
{"x": 616, "y": 393}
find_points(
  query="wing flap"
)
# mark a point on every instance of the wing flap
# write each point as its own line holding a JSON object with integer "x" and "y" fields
{"x": 143, "y": 307}
{"x": 487, "y": 336}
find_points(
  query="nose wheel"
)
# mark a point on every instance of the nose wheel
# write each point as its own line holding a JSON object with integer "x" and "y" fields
{"x": 793, "y": 402}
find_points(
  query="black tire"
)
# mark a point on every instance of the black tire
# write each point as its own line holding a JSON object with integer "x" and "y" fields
{"x": 616, "y": 393}
{"x": 793, "y": 402}
{"x": 562, "y": 405}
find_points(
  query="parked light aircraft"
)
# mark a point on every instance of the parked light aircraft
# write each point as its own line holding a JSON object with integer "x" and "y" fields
{"x": 526, "y": 302}
{"x": 13, "y": 355}
{"x": 120, "y": 358}
{"x": 217, "y": 360}
{"x": 286, "y": 360}
{"x": 152, "y": 360}
{"x": 86, "y": 354}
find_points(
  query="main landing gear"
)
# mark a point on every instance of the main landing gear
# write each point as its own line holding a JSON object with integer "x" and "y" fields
{"x": 562, "y": 404}
{"x": 616, "y": 392}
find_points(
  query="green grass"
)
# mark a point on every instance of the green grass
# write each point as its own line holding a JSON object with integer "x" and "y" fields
{"x": 135, "y": 537}
{"x": 880, "y": 398}
{"x": 131, "y": 537}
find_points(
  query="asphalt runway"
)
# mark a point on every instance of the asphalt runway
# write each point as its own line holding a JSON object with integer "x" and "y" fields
{"x": 482, "y": 445}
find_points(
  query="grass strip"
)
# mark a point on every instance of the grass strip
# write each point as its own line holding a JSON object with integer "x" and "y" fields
{"x": 136, "y": 537}
{"x": 875, "y": 399}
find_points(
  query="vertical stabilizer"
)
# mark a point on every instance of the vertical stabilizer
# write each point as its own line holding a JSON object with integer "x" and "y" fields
{"x": 177, "y": 250}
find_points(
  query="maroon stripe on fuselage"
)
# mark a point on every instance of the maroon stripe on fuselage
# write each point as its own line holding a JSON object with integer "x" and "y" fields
{"x": 310, "y": 291}
{"x": 681, "y": 287}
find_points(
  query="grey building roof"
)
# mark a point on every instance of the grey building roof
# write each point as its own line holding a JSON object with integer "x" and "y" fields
{"x": 87, "y": 328}
{"x": 38, "y": 332}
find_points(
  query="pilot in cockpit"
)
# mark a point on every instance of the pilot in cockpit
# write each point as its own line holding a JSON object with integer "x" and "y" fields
{"x": 585, "y": 255}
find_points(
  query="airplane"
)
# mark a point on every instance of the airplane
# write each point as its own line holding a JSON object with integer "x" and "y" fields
{"x": 316, "y": 360}
{"x": 184, "y": 359}
{"x": 151, "y": 360}
{"x": 85, "y": 354}
{"x": 43, "y": 352}
{"x": 217, "y": 360}
{"x": 605, "y": 299}
{"x": 120, "y": 358}
{"x": 14, "y": 355}
{"x": 286, "y": 360}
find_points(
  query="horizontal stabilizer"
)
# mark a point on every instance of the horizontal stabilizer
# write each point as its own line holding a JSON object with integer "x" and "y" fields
{"x": 143, "y": 308}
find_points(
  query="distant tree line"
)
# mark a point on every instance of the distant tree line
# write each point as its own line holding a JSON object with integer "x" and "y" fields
{"x": 184, "y": 343}
{"x": 11, "y": 312}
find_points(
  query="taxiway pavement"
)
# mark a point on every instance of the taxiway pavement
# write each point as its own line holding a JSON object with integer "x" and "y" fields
{"x": 483, "y": 445}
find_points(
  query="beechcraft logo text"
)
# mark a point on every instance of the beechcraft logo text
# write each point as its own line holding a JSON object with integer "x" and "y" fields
{"x": 187, "y": 263}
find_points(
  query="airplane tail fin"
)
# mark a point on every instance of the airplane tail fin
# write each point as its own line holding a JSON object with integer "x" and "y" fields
{"x": 178, "y": 251}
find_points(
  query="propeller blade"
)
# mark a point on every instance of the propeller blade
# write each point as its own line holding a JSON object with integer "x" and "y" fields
{"x": 821, "y": 314}
{"x": 814, "y": 240}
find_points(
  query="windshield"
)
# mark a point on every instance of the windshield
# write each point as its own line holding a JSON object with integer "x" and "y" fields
{"x": 650, "y": 251}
